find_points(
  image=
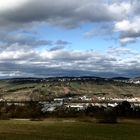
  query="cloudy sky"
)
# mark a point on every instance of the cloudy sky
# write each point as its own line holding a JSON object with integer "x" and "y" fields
{"x": 44, "y": 38}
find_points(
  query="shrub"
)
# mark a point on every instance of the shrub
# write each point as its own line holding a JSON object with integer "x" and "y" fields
{"x": 107, "y": 116}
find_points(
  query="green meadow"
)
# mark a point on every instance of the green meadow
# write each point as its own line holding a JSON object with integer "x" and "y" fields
{"x": 68, "y": 130}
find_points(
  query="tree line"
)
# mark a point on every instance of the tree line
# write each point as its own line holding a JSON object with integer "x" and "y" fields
{"x": 33, "y": 111}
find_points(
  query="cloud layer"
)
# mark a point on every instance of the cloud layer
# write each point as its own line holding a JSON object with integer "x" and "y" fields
{"x": 20, "y": 54}
{"x": 22, "y": 62}
{"x": 67, "y": 13}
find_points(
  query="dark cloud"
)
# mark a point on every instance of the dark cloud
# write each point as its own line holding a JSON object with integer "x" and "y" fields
{"x": 57, "y": 48}
{"x": 22, "y": 39}
{"x": 63, "y": 13}
{"x": 14, "y": 41}
{"x": 62, "y": 42}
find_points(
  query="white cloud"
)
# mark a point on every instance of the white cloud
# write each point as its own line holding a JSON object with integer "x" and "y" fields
{"x": 35, "y": 62}
{"x": 127, "y": 40}
{"x": 128, "y": 26}
{"x": 120, "y": 9}
{"x": 129, "y": 30}
{"x": 121, "y": 51}
{"x": 123, "y": 26}
{"x": 11, "y": 4}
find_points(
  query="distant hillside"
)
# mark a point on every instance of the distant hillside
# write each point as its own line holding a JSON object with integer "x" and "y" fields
{"x": 22, "y": 89}
{"x": 120, "y": 78}
{"x": 136, "y": 78}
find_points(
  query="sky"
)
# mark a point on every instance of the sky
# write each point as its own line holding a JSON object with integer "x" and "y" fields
{"x": 46, "y": 38}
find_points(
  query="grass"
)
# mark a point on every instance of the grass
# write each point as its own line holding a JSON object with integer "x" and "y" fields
{"x": 67, "y": 130}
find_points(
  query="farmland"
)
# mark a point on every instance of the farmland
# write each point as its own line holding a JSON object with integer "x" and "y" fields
{"x": 69, "y": 129}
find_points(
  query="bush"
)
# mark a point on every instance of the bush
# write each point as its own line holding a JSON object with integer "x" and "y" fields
{"x": 108, "y": 116}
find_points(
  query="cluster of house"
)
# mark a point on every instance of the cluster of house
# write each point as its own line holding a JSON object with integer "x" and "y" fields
{"x": 80, "y": 103}
{"x": 134, "y": 81}
{"x": 127, "y": 80}
{"x": 85, "y": 101}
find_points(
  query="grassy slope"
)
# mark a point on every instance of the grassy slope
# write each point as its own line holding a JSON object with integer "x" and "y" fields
{"x": 46, "y": 90}
{"x": 61, "y": 130}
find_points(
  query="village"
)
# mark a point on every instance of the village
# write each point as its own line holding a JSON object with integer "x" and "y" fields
{"x": 78, "y": 103}
{"x": 81, "y": 103}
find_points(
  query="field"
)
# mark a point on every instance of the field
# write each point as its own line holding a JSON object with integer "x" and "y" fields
{"x": 68, "y": 130}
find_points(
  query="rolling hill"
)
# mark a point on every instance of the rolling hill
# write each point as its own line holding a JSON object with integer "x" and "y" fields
{"x": 25, "y": 89}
